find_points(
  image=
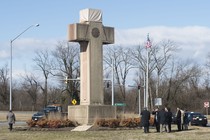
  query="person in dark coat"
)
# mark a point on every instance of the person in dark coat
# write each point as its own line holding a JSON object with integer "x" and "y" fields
{"x": 185, "y": 121}
{"x": 162, "y": 119}
{"x": 156, "y": 119}
{"x": 168, "y": 119}
{"x": 145, "y": 117}
{"x": 178, "y": 119}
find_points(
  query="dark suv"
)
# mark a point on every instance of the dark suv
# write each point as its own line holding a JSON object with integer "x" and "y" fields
{"x": 196, "y": 118}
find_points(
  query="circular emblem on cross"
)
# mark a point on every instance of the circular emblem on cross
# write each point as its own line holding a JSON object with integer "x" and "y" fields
{"x": 95, "y": 32}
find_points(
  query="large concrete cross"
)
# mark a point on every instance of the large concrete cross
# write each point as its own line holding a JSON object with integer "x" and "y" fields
{"x": 91, "y": 35}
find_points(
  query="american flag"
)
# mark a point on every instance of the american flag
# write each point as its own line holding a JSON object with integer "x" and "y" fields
{"x": 148, "y": 45}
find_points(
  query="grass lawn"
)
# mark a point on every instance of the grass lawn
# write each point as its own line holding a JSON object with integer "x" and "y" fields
{"x": 194, "y": 133}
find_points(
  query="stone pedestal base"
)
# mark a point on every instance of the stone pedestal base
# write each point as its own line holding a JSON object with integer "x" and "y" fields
{"x": 88, "y": 114}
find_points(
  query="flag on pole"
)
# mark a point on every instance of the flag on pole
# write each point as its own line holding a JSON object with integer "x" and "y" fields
{"x": 148, "y": 45}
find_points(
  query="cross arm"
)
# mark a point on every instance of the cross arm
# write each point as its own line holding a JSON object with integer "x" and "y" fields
{"x": 78, "y": 32}
{"x": 108, "y": 35}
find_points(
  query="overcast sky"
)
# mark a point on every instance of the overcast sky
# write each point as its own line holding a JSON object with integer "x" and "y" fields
{"x": 186, "y": 22}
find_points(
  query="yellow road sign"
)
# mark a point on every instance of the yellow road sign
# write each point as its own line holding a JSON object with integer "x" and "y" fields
{"x": 74, "y": 102}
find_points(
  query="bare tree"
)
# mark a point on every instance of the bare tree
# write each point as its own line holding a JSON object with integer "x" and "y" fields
{"x": 139, "y": 55}
{"x": 206, "y": 75}
{"x": 55, "y": 96}
{"x": 31, "y": 86}
{"x": 4, "y": 88}
{"x": 45, "y": 65}
{"x": 67, "y": 65}
{"x": 182, "y": 75}
{"x": 162, "y": 53}
{"x": 122, "y": 65}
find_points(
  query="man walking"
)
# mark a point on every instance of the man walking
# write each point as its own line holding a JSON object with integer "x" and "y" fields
{"x": 11, "y": 119}
{"x": 145, "y": 117}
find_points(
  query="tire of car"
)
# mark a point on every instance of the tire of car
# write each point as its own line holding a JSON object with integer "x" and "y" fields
{"x": 204, "y": 125}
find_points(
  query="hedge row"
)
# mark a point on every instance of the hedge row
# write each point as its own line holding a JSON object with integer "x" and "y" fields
{"x": 114, "y": 123}
{"x": 44, "y": 123}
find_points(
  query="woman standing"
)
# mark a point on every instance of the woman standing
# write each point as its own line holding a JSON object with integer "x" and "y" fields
{"x": 11, "y": 119}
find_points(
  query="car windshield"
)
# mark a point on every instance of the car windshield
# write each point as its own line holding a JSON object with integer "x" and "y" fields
{"x": 50, "y": 108}
{"x": 40, "y": 113}
{"x": 195, "y": 115}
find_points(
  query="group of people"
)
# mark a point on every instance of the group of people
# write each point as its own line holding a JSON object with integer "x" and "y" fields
{"x": 163, "y": 119}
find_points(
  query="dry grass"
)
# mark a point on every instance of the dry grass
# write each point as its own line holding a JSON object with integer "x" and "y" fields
{"x": 195, "y": 133}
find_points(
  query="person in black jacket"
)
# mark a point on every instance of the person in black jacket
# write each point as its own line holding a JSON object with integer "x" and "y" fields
{"x": 168, "y": 119}
{"x": 145, "y": 117}
{"x": 162, "y": 119}
{"x": 178, "y": 119}
{"x": 156, "y": 119}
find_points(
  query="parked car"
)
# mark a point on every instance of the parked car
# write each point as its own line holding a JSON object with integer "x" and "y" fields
{"x": 52, "y": 108}
{"x": 194, "y": 118}
{"x": 39, "y": 115}
{"x": 197, "y": 118}
{"x": 46, "y": 111}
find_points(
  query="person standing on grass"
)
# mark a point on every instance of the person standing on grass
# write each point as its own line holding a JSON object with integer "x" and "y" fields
{"x": 156, "y": 119}
{"x": 145, "y": 117}
{"x": 168, "y": 119}
{"x": 162, "y": 119}
{"x": 11, "y": 119}
{"x": 185, "y": 121}
{"x": 179, "y": 119}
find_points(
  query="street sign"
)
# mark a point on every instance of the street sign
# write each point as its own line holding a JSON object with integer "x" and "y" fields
{"x": 120, "y": 104}
{"x": 158, "y": 101}
{"x": 206, "y": 104}
{"x": 74, "y": 102}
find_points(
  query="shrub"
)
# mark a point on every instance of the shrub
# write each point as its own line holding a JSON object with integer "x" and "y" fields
{"x": 44, "y": 123}
{"x": 112, "y": 123}
{"x": 54, "y": 123}
{"x": 31, "y": 123}
{"x": 126, "y": 122}
{"x": 129, "y": 122}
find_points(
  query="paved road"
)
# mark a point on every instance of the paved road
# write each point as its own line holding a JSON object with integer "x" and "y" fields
{"x": 19, "y": 123}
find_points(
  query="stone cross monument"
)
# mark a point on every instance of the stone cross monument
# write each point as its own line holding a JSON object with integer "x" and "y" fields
{"x": 91, "y": 35}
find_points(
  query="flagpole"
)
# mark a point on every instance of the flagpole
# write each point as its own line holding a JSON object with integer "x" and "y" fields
{"x": 147, "y": 77}
{"x": 144, "y": 89}
{"x": 147, "y": 71}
